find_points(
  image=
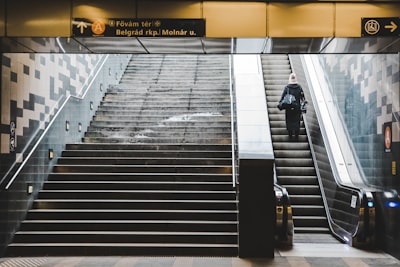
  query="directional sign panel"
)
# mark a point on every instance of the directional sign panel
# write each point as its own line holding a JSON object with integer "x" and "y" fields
{"x": 125, "y": 27}
{"x": 380, "y": 26}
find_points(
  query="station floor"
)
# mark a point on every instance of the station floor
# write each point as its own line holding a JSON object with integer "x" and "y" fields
{"x": 300, "y": 255}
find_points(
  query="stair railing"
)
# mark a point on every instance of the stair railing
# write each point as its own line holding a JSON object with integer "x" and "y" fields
{"x": 350, "y": 209}
{"x": 233, "y": 124}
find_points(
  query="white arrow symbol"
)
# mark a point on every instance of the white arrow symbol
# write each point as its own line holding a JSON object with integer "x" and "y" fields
{"x": 392, "y": 26}
{"x": 81, "y": 25}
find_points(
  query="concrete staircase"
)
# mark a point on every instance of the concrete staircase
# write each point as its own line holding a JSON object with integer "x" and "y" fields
{"x": 153, "y": 174}
{"x": 294, "y": 165}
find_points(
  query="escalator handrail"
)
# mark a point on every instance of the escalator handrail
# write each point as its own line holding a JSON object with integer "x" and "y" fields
{"x": 284, "y": 229}
{"x": 332, "y": 225}
{"x": 364, "y": 198}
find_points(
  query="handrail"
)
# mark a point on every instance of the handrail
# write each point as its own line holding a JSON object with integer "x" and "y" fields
{"x": 91, "y": 78}
{"x": 333, "y": 142}
{"x": 233, "y": 125}
{"x": 332, "y": 225}
{"x": 362, "y": 230}
{"x": 284, "y": 229}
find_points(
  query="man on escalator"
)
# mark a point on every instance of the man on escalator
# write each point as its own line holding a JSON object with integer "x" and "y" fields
{"x": 293, "y": 111}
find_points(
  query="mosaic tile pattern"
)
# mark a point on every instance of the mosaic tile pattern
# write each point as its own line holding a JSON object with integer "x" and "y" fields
{"x": 33, "y": 87}
{"x": 375, "y": 80}
{"x": 367, "y": 89}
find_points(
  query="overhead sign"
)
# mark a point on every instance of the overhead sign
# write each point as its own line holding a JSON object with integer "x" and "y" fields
{"x": 380, "y": 26}
{"x": 125, "y": 27}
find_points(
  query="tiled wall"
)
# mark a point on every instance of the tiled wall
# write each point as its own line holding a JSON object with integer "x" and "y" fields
{"x": 33, "y": 86}
{"x": 367, "y": 89}
{"x": 107, "y": 70}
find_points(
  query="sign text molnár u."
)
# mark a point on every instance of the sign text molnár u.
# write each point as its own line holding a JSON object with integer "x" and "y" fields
{"x": 118, "y": 27}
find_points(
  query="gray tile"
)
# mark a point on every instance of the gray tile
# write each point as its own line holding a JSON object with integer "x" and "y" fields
{"x": 212, "y": 262}
{"x": 98, "y": 262}
{"x": 382, "y": 262}
{"x": 155, "y": 262}
{"x": 324, "y": 262}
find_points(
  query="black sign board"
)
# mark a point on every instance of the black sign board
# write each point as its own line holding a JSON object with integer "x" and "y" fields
{"x": 13, "y": 144}
{"x": 380, "y": 26}
{"x": 387, "y": 134}
{"x": 125, "y": 27}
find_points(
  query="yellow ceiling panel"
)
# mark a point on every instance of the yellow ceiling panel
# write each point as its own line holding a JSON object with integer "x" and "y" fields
{"x": 169, "y": 9}
{"x": 235, "y": 19}
{"x": 103, "y": 9}
{"x": 38, "y": 18}
{"x": 300, "y": 20}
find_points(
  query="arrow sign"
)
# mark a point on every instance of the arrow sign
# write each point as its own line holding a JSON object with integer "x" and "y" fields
{"x": 81, "y": 26}
{"x": 379, "y": 27}
{"x": 392, "y": 26}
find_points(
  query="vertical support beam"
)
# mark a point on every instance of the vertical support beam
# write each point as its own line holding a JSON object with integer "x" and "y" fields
{"x": 256, "y": 160}
{"x": 256, "y": 209}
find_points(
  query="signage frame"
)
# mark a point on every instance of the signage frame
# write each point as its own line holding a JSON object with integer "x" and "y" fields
{"x": 380, "y": 27}
{"x": 134, "y": 27}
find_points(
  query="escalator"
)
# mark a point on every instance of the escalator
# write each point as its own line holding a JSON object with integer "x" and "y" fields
{"x": 294, "y": 164}
{"x": 325, "y": 208}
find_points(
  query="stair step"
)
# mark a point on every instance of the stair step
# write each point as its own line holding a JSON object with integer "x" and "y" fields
{"x": 295, "y": 162}
{"x": 306, "y": 200}
{"x": 129, "y": 214}
{"x": 151, "y": 176}
{"x": 296, "y": 180}
{"x": 142, "y": 161}
{"x": 122, "y": 237}
{"x": 116, "y": 135}
{"x": 308, "y": 210}
{"x": 164, "y": 128}
{"x": 121, "y": 249}
{"x": 295, "y": 171}
{"x": 177, "y": 101}
{"x": 150, "y": 146}
{"x": 129, "y": 225}
{"x": 147, "y": 153}
{"x": 137, "y": 194}
{"x": 171, "y": 122}
{"x": 310, "y": 221}
{"x": 301, "y": 189}
{"x": 311, "y": 230}
{"x": 138, "y": 204}
{"x": 136, "y": 185}
{"x": 143, "y": 168}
